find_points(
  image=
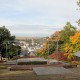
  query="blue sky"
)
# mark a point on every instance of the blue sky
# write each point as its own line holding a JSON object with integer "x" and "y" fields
{"x": 37, "y": 17}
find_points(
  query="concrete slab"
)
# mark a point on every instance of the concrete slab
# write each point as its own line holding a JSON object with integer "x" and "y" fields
{"x": 31, "y": 59}
{"x": 14, "y": 62}
{"x": 51, "y": 70}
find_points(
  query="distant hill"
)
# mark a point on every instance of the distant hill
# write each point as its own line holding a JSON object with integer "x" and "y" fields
{"x": 24, "y": 38}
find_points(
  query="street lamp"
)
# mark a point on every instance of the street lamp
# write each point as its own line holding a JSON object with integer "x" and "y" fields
{"x": 8, "y": 42}
{"x": 57, "y": 49}
{"x": 6, "y": 52}
{"x": 57, "y": 43}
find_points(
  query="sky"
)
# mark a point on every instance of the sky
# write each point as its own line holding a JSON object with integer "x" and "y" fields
{"x": 37, "y": 17}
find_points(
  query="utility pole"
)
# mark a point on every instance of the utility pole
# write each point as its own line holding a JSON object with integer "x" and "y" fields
{"x": 57, "y": 49}
{"x": 48, "y": 48}
{"x": 7, "y": 42}
{"x": 57, "y": 44}
{"x": 6, "y": 52}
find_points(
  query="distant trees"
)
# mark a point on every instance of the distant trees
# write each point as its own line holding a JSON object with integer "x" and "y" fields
{"x": 36, "y": 40}
{"x": 29, "y": 41}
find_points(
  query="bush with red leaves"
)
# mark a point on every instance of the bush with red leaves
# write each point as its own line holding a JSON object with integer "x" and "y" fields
{"x": 59, "y": 56}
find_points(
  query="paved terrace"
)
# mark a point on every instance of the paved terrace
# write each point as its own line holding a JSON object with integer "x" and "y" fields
{"x": 31, "y": 60}
{"x": 51, "y": 70}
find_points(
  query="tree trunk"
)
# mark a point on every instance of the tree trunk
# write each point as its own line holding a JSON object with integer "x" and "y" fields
{"x": 1, "y": 57}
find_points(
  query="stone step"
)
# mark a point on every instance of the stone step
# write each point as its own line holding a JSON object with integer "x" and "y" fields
{"x": 30, "y": 67}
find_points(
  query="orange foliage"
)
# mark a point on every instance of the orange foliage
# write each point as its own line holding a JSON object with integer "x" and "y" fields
{"x": 59, "y": 56}
{"x": 56, "y": 36}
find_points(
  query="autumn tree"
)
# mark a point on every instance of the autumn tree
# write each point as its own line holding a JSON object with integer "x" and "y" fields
{"x": 68, "y": 31}
{"x": 59, "y": 41}
{"x": 73, "y": 46}
{"x": 75, "y": 41}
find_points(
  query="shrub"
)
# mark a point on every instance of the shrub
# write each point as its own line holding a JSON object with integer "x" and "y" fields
{"x": 33, "y": 63}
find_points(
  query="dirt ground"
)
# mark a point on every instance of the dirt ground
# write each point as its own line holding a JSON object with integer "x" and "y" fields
{"x": 5, "y": 74}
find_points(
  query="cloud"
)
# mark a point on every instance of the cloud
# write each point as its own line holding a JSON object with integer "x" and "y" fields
{"x": 5, "y": 22}
{"x": 39, "y": 11}
{"x": 17, "y": 15}
{"x": 33, "y": 30}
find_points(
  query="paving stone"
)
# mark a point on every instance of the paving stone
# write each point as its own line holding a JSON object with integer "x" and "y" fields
{"x": 51, "y": 70}
{"x": 31, "y": 59}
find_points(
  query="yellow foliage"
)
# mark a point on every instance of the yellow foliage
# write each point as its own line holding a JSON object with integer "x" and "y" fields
{"x": 73, "y": 46}
{"x": 69, "y": 56}
{"x": 76, "y": 38}
{"x": 68, "y": 48}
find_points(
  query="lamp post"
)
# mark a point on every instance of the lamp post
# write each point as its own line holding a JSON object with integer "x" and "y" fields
{"x": 48, "y": 46}
{"x": 57, "y": 49}
{"x": 57, "y": 44}
{"x": 6, "y": 52}
{"x": 7, "y": 42}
